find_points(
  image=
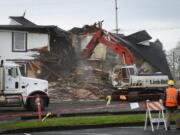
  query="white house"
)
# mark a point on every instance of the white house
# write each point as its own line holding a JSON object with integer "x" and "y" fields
{"x": 20, "y": 36}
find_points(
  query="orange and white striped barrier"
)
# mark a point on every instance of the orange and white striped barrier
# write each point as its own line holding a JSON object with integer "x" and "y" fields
{"x": 155, "y": 106}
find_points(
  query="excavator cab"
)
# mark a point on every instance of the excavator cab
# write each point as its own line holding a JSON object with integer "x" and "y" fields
{"x": 120, "y": 75}
{"x": 127, "y": 71}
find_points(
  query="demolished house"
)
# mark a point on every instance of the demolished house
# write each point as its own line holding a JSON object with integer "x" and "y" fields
{"x": 149, "y": 56}
{"x": 90, "y": 79}
{"x": 51, "y": 53}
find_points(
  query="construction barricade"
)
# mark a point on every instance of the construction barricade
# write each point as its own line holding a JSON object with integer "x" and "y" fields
{"x": 156, "y": 106}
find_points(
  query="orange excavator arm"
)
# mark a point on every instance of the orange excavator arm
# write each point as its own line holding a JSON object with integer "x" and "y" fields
{"x": 109, "y": 41}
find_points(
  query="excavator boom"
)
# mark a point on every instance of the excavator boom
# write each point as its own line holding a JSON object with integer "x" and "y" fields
{"x": 109, "y": 41}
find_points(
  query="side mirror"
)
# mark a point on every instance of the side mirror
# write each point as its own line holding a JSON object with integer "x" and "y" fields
{"x": 2, "y": 63}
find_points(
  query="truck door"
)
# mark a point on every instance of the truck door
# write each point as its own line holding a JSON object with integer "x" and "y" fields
{"x": 11, "y": 80}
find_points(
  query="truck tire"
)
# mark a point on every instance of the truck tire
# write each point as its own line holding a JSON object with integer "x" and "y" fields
{"x": 34, "y": 103}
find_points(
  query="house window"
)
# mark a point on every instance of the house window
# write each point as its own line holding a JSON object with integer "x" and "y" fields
{"x": 19, "y": 42}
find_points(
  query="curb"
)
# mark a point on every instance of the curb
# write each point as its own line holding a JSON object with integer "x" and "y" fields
{"x": 83, "y": 114}
{"x": 61, "y": 128}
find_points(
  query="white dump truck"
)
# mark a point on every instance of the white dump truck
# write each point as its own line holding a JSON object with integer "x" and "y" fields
{"x": 17, "y": 90}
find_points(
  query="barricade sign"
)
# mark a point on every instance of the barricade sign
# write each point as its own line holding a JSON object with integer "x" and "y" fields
{"x": 155, "y": 106}
{"x": 134, "y": 105}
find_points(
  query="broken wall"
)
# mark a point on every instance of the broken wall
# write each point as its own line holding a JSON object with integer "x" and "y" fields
{"x": 80, "y": 42}
{"x": 59, "y": 61}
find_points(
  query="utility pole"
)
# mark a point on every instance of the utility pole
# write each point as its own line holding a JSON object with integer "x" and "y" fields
{"x": 116, "y": 17}
{"x": 174, "y": 74}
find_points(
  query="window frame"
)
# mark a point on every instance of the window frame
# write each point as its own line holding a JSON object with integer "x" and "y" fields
{"x": 25, "y": 67}
{"x": 13, "y": 42}
{"x": 10, "y": 72}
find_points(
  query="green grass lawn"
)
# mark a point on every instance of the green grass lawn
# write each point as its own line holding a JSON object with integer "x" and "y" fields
{"x": 77, "y": 121}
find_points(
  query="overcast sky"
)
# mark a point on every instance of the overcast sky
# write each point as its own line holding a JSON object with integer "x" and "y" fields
{"x": 161, "y": 18}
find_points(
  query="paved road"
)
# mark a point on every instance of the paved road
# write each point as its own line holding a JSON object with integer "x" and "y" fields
{"x": 108, "y": 131}
{"x": 79, "y": 106}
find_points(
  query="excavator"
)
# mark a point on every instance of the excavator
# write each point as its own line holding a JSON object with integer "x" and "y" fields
{"x": 125, "y": 78}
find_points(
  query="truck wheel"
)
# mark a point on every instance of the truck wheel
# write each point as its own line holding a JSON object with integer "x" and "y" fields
{"x": 34, "y": 103}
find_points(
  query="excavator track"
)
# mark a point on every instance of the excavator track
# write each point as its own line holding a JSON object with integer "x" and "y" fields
{"x": 138, "y": 95}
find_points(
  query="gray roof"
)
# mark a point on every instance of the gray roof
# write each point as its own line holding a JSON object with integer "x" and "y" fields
{"x": 138, "y": 37}
{"x": 50, "y": 29}
{"x": 22, "y": 20}
{"x": 35, "y": 28}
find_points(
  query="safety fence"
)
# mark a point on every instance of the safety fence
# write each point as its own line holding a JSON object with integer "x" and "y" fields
{"x": 107, "y": 104}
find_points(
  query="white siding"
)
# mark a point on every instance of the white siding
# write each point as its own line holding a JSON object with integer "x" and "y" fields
{"x": 33, "y": 41}
{"x": 99, "y": 51}
{"x": 37, "y": 40}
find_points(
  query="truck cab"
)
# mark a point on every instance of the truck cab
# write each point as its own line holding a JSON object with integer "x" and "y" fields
{"x": 17, "y": 90}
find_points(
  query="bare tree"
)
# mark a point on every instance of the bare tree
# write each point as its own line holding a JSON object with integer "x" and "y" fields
{"x": 173, "y": 57}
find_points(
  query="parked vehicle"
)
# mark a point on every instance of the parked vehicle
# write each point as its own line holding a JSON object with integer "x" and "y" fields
{"x": 17, "y": 90}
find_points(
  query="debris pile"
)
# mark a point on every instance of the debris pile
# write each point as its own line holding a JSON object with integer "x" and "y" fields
{"x": 70, "y": 77}
{"x": 80, "y": 85}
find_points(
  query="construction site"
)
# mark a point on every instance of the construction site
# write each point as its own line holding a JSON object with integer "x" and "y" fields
{"x": 90, "y": 63}
{"x": 82, "y": 64}
{"x": 88, "y": 76}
